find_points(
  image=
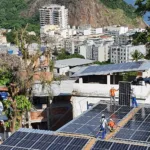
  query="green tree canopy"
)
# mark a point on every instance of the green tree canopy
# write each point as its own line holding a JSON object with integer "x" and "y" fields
{"x": 15, "y": 109}
{"x": 136, "y": 55}
{"x": 143, "y": 6}
{"x": 65, "y": 55}
{"x": 10, "y": 15}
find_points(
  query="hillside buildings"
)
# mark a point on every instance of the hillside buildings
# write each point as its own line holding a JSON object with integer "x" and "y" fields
{"x": 115, "y": 30}
{"x": 96, "y": 48}
{"x": 123, "y": 53}
{"x": 54, "y": 15}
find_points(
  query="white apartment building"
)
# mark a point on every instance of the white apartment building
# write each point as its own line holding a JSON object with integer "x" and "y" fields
{"x": 115, "y": 30}
{"x": 122, "y": 53}
{"x": 88, "y": 30}
{"x": 124, "y": 39}
{"x": 54, "y": 15}
{"x": 96, "y": 50}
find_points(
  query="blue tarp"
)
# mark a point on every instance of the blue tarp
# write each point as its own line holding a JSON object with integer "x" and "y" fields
{"x": 4, "y": 95}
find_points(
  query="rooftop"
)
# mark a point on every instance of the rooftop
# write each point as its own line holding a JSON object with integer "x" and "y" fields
{"x": 113, "y": 68}
{"x": 51, "y": 6}
{"x": 72, "y": 62}
{"x": 132, "y": 132}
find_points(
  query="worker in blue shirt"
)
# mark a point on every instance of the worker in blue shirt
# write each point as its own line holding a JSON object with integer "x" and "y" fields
{"x": 103, "y": 124}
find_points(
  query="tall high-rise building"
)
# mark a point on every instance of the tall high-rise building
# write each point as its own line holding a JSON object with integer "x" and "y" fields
{"x": 54, "y": 15}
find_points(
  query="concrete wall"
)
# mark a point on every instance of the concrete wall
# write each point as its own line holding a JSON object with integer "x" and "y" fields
{"x": 80, "y": 104}
{"x": 86, "y": 89}
{"x": 83, "y": 51}
{"x": 62, "y": 71}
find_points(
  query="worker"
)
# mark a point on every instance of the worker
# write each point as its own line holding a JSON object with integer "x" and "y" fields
{"x": 103, "y": 124}
{"x": 133, "y": 96}
{"x": 111, "y": 125}
{"x": 112, "y": 94}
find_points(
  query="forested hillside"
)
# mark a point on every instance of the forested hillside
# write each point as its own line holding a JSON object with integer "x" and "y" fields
{"x": 98, "y": 13}
{"x": 11, "y": 15}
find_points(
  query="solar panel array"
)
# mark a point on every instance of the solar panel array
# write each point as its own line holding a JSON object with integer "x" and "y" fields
{"x": 89, "y": 122}
{"x": 138, "y": 128}
{"x": 104, "y": 145}
{"x": 104, "y": 69}
{"x": 35, "y": 141}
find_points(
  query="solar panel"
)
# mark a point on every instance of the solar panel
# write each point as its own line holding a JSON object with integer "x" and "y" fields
{"x": 137, "y": 129}
{"x": 119, "y": 146}
{"x": 2, "y": 147}
{"x": 108, "y": 145}
{"x": 112, "y": 68}
{"x": 89, "y": 122}
{"x": 19, "y": 148}
{"x": 124, "y": 93}
{"x": 137, "y": 147}
{"x": 102, "y": 145}
{"x": 31, "y": 141}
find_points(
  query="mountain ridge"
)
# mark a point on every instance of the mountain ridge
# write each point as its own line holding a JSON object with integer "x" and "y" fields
{"x": 94, "y": 12}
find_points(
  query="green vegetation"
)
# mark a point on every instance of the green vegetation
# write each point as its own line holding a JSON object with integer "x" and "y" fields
{"x": 143, "y": 6}
{"x": 103, "y": 62}
{"x": 5, "y": 77}
{"x": 136, "y": 55}
{"x": 10, "y": 15}
{"x": 65, "y": 55}
{"x": 120, "y": 4}
{"x": 127, "y": 75}
{"x": 141, "y": 38}
{"x": 14, "y": 111}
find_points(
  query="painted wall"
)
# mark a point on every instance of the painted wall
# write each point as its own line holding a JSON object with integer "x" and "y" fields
{"x": 80, "y": 104}
{"x": 86, "y": 89}
{"x": 62, "y": 71}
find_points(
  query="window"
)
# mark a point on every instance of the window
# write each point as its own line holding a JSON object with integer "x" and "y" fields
{"x": 57, "y": 70}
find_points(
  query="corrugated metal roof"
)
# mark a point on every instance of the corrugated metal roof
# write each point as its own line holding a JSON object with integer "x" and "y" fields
{"x": 75, "y": 69}
{"x": 113, "y": 68}
{"x": 72, "y": 62}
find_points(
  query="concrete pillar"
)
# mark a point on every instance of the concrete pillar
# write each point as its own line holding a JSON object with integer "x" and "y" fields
{"x": 80, "y": 80}
{"x": 114, "y": 81}
{"x": 108, "y": 79}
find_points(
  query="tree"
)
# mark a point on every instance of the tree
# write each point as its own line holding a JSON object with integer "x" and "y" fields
{"x": 143, "y": 6}
{"x": 66, "y": 55}
{"x": 136, "y": 55}
{"x": 15, "y": 109}
{"x": 20, "y": 86}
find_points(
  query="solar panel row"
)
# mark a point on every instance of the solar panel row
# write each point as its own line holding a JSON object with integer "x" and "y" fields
{"x": 89, "y": 122}
{"x": 112, "y": 67}
{"x": 137, "y": 129}
{"x": 99, "y": 145}
{"x": 104, "y": 145}
{"x": 26, "y": 141}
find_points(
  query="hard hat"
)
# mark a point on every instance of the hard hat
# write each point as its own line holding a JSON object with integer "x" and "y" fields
{"x": 103, "y": 115}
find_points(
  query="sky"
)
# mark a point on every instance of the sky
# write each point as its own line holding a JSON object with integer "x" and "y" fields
{"x": 145, "y": 17}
